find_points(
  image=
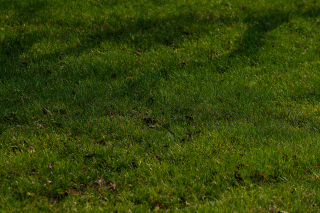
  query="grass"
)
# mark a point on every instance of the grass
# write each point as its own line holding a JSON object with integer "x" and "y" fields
{"x": 137, "y": 106}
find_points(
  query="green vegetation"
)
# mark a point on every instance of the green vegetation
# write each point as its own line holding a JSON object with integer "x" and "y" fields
{"x": 155, "y": 105}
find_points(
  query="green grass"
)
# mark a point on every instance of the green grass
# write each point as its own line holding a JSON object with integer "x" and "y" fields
{"x": 187, "y": 106}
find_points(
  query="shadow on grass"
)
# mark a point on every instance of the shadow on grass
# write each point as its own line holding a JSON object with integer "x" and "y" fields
{"x": 141, "y": 32}
{"x": 151, "y": 32}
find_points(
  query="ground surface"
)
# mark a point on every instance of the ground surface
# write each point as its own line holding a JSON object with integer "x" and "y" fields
{"x": 135, "y": 106}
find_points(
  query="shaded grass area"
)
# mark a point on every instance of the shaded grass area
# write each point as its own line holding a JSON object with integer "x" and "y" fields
{"x": 181, "y": 106}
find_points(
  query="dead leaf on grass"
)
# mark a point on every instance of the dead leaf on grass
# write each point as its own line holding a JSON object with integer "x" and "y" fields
{"x": 183, "y": 63}
{"x": 51, "y": 166}
{"x": 46, "y": 111}
{"x": 31, "y": 150}
{"x": 100, "y": 182}
{"x": 260, "y": 176}
{"x": 40, "y": 126}
{"x": 111, "y": 185}
{"x": 33, "y": 171}
{"x": 103, "y": 198}
{"x": 184, "y": 200}
{"x": 103, "y": 27}
{"x": 273, "y": 208}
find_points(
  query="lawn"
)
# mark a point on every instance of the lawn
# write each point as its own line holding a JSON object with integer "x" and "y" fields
{"x": 159, "y": 105}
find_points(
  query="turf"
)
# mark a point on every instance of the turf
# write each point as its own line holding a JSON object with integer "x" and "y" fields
{"x": 159, "y": 105}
